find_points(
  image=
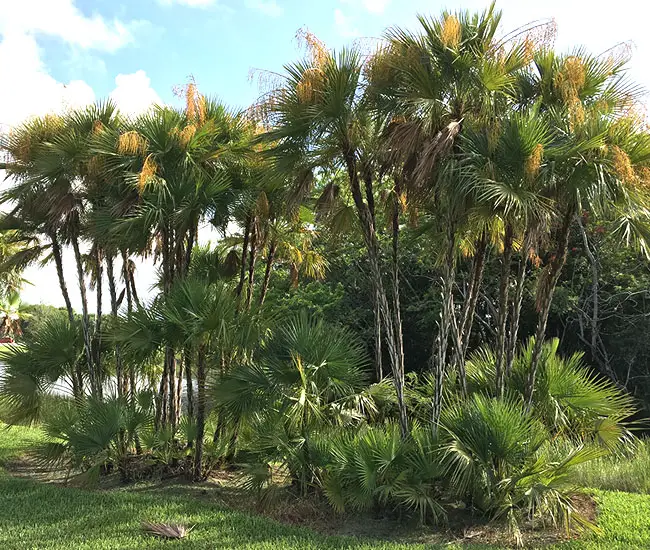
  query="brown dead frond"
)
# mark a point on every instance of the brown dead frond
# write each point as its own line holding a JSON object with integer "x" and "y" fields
{"x": 149, "y": 169}
{"x": 131, "y": 143}
{"x": 493, "y": 134}
{"x": 434, "y": 148}
{"x": 166, "y": 530}
{"x": 450, "y": 32}
{"x": 617, "y": 55}
{"x": 316, "y": 48}
{"x": 643, "y": 177}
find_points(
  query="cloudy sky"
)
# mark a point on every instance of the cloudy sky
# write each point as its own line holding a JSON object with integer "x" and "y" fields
{"x": 56, "y": 54}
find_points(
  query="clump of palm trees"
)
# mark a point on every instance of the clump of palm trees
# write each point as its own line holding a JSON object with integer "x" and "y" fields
{"x": 474, "y": 142}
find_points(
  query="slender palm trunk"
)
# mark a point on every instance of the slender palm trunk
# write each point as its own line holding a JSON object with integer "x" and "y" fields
{"x": 112, "y": 290}
{"x": 58, "y": 261}
{"x": 99, "y": 267}
{"x": 504, "y": 286}
{"x": 132, "y": 288}
{"x": 251, "y": 264}
{"x": 189, "y": 390}
{"x": 378, "y": 351}
{"x": 469, "y": 310}
{"x": 545, "y": 291}
{"x": 200, "y": 414}
{"x": 441, "y": 342}
{"x": 85, "y": 320}
{"x": 129, "y": 384}
{"x": 396, "y": 305}
{"x": 515, "y": 314}
{"x": 598, "y": 353}
{"x": 244, "y": 254}
{"x": 78, "y": 384}
{"x": 372, "y": 246}
{"x": 267, "y": 271}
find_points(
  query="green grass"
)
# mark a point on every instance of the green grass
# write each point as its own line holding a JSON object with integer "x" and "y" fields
{"x": 16, "y": 440}
{"x": 631, "y": 474}
{"x": 46, "y": 516}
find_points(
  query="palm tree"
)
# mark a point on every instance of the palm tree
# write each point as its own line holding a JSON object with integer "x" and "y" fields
{"x": 30, "y": 214}
{"x": 178, "y": 166}
{"x": 451, "y": 74}
{"x": 504, "y": 168}
{"x": 318, "y": 118}
{"x": 599, "y": 153}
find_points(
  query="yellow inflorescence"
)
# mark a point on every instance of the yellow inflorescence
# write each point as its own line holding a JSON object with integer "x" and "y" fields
{"x": 571, "y": 79}
{"x": 149, "y": 169}
{"x": 186, "y": 134}
{"x": 310, "y": 84}
{"x": 622, "y": 164}
{"x": 131, "y": 143}
{"x": 450, "y": 33}
{"x": 534, "y": 161}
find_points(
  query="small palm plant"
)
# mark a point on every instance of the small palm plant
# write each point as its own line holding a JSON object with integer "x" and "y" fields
{"x": 497, "y": 457}
{"x": 307, "y": 377}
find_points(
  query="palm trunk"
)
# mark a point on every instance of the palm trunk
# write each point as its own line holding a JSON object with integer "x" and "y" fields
{"x": 598, "y": 353}
{"x": 251, "y": 265}
{"x": 504, "y": 285}
{"x": 516, "y": 304}
{"x": 200, "y": 414}
{"x": 469, "y": 309}
{"x": 396, "y": 306}
{"x": 98, "y": 318}
{"x": 267, "y": 271}
{"x": 133, "y": 289}
{"x": 129, "y": 385}
{"x": 112, "y": 290}
{"x": 545, "y": 291}
{"x": 441, "y": 342}
{"x": 189, "y": 390}
{"x": 378, "y": 351}
{"x": 191, "y": 238}
{"x": 85, "y": 321}
{"x": 372, "y": 246}
{"x": 58, "y": 261}
{"x": 244, "y": 253}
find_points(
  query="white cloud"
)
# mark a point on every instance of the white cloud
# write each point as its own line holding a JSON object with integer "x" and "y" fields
{"x": 28, "y": 89}
{"x": 267, "y": 7}
{"x": 344, "y": 24}
{"x": 62, "y": 19}
{"x": 133, "y": 93}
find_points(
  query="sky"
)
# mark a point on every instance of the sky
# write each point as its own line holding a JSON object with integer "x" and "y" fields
{"x": 57, "y": 54}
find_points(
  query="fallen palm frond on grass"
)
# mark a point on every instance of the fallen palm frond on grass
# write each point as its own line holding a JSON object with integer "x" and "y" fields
{"x": 166, "y": 530}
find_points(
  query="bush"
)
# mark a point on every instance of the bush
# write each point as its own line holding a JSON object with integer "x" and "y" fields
{"x": 375, "y": 467}
{"x": 497, "y": 458}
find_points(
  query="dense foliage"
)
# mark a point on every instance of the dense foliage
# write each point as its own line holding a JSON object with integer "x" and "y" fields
{"x": 423, "y": 205}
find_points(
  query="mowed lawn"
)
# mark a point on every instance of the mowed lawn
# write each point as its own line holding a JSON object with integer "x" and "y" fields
{"x": 37, "y": 515}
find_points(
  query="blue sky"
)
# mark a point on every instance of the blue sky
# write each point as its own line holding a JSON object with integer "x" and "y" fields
{"x": 217, "y": 42}
{"x": 56, "y": 54}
